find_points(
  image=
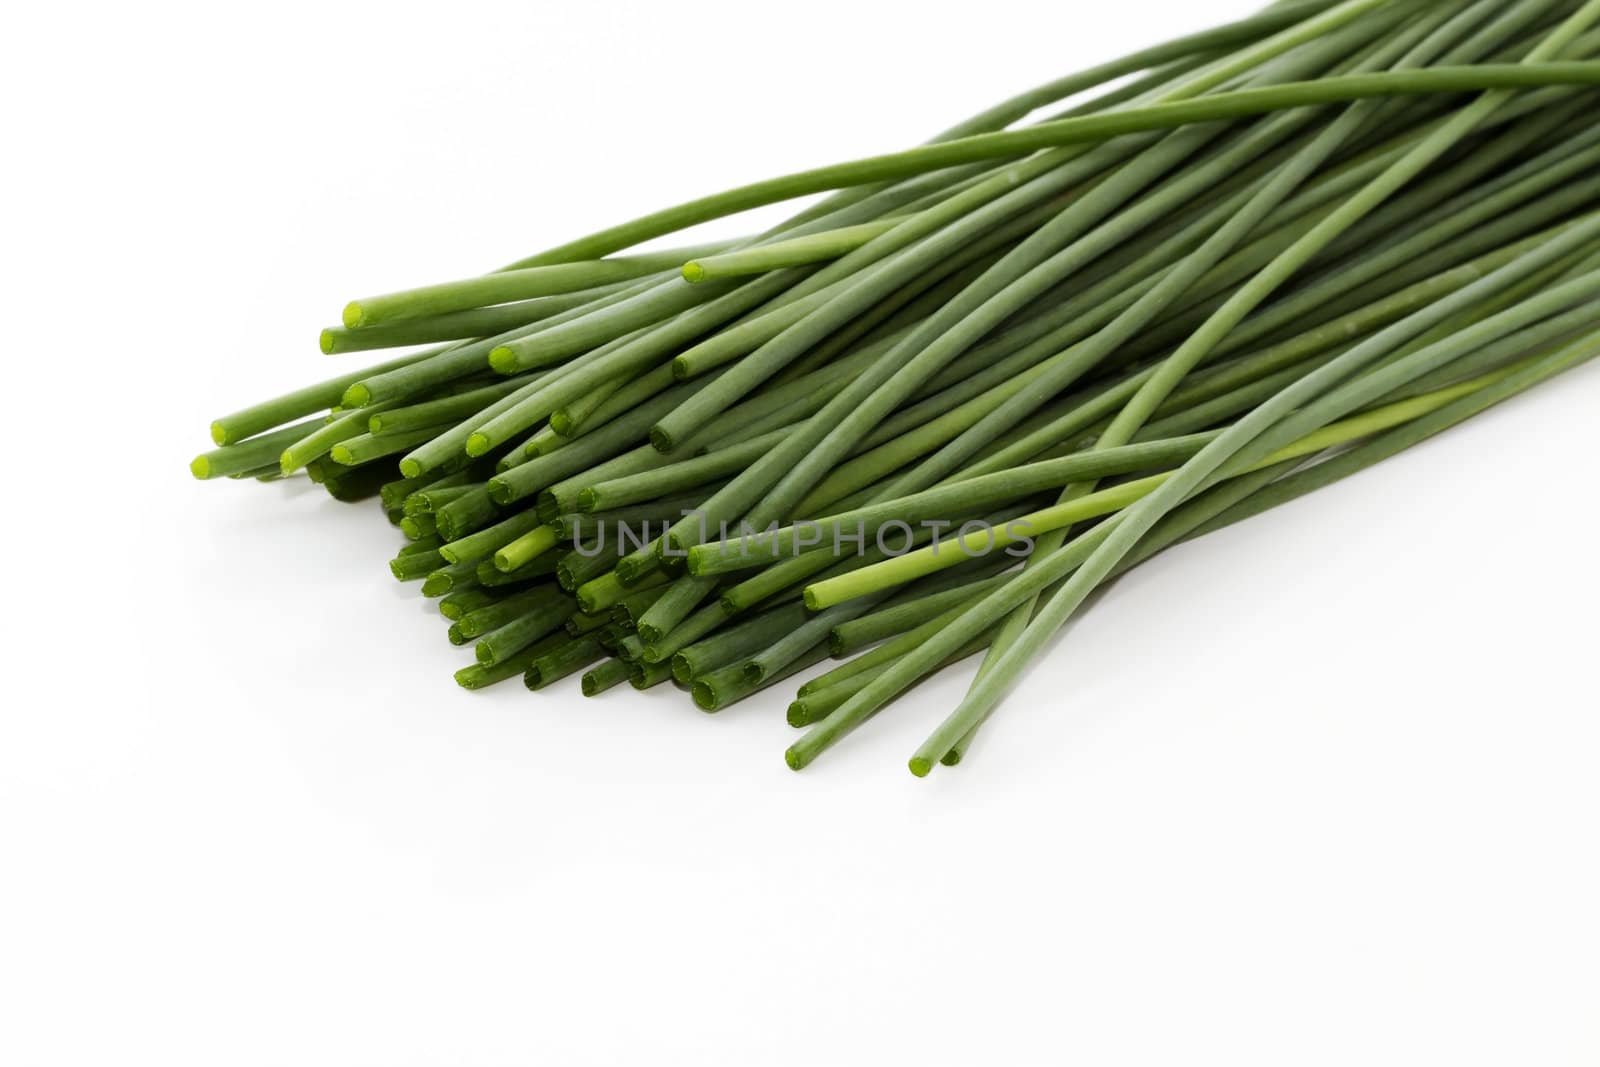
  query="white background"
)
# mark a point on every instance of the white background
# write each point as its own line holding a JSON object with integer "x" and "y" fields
{"x": 1320, "y": 789}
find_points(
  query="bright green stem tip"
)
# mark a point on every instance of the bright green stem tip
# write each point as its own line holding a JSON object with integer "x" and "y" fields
{"x": 352, "y": 314}
{"x": 478, "y": 444}
{"x": 325, "y": 342}
{"x": 693, "y": 271}
{"x": 920, "y": 766}
{"x": 357, "y": 396}
{"x": 200, "y": 467}
{"x": 503, "y": 359}
{"x": 218, "y": 434}
{"x": 792, "y": 758}
{"x": 342, "y": 454}
{"x": 410, "y": 468}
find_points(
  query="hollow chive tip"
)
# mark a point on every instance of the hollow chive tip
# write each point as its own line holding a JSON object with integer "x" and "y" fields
{"x": 951, "y": 758}
{"x": 435, "y": 584}
{"x": 342, "y": 454}
{"x": 375, "y": 424}
{"x": 693, "y": 271}
{"x": 478, "y": 444}
{"x": 353, "y": 314}
{"x": 200, "y": 467}
{"x": 357, "y": 396}
{"x": 797, "y": 716}
{"x": 705, "y": 697}
{"x": 589, "y": 684}
{"x": 793, "y": 759}
{"x": 499, "y": 491}
{"x": 660, "y": 439}
{"x": 810, "y": 598}
{"x": 920, "y": 766}
{"x": 484, "y": 653}
{"x": 410, "y": 468}
{"x": 680, "y": 368}
{"x": 502, "y": 359}
{"x": 219, "y": 433}
{"x": 325, "y": 342}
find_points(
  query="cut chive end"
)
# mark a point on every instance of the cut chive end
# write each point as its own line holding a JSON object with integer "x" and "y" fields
{"x": 503, "y": 359}
{"x": 357, "y": 396}
{"x": 410, "y": 468}
{"x": 325, "y": 342}
{"x": 436, "y": 584}
{"x": 478, "y": 444}
{"x": 793, "y": 758}
{"x": 920, "y": 766}
{"x": 705, "y": 697}
{"x": 951, "y": 758}
{"x": 200, "y": 467}
{"x": 797, "y": 715}
{"x": 484, "y": 654}
{"x": 219, "y": 434}
{"x": 693, "y": 271}
{"x": 660, "y": 439}
{"x": 500, "y": 492}
{"x": 342, "y": 454}
{"x": 353, "y": 315}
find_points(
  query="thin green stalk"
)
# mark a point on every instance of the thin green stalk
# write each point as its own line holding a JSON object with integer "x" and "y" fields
{"x": 507, "y": 285}
{"x": 250, "y": 455}
{"x": 566, "y": 658}
{"x": 1241, "y": 103}
{"x": 611, "y": 673}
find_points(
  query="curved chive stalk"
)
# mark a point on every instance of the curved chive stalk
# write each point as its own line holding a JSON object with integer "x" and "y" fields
{"x": 1243, "y": 103}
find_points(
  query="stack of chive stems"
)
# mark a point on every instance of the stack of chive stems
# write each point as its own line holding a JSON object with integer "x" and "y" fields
{"x": 981, "y": 377}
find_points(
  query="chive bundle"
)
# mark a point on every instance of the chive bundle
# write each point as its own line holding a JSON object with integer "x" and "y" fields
{"x": 923, "y": 419}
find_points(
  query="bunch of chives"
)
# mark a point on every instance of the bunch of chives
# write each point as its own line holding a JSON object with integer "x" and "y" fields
{"x": 925, "y": 418}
